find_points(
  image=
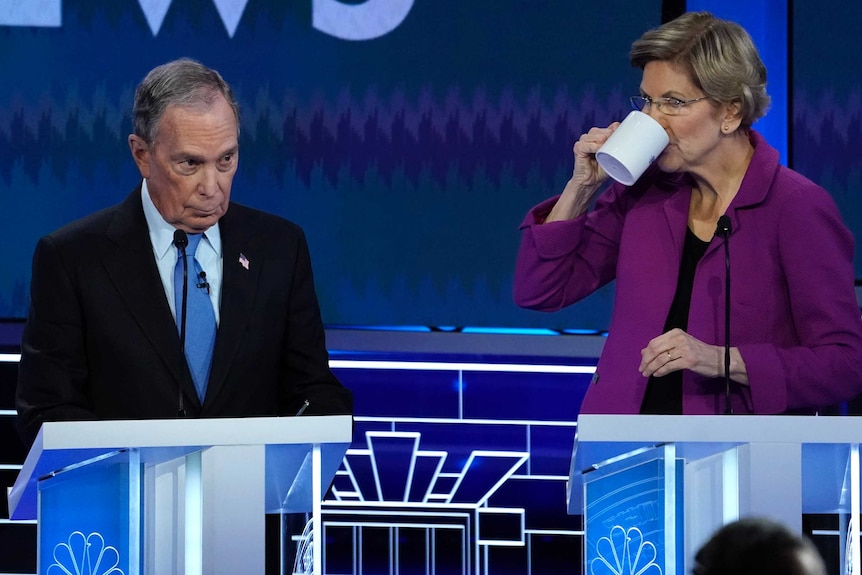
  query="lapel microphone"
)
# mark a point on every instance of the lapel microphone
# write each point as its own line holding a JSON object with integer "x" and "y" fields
{"x": 723, "y": 230}
{"x": 202, "y": 282}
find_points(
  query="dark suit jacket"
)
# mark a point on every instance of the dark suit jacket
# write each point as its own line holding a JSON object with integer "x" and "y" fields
{"x": 101, "y": 342}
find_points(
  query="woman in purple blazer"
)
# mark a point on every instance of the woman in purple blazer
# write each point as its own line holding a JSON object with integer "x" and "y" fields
{"x": 796, "y": 331}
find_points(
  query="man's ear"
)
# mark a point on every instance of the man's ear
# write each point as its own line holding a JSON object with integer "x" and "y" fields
{"x": 141, "y": 154}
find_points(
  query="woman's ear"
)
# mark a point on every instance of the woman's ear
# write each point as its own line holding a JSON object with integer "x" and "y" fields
{"x": 732, "y": 117}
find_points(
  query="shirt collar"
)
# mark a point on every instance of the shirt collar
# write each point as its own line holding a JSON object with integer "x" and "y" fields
{"x": 162, "y": 233}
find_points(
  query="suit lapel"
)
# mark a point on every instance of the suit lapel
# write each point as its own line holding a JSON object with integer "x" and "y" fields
{"x": 239, "y": 284}
{"x": 142, "y": 289}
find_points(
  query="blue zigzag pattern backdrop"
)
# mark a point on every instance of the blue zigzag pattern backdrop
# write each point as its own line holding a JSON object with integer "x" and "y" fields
{"x": 827, "y": 106}
{"x": 409, "y": 159}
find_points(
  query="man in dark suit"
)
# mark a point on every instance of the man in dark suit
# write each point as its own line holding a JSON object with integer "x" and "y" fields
{"x": 104, "y": 338}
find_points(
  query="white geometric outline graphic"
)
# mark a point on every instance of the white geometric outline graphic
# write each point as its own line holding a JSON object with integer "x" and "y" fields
{"x": 516, "y": 460}
{"x": 425, "y": 500}
{"x": 79, "y": 560}
{"x": 519, "y": 513}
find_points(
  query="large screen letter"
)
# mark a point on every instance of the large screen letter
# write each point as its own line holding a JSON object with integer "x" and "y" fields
{"x": 365, "y": 21}
{"x": 41, "y": 13}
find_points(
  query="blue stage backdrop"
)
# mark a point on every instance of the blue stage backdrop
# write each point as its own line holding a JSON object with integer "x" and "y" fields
{"x": 407, "y": 137}
{"x": 827, "y": 105}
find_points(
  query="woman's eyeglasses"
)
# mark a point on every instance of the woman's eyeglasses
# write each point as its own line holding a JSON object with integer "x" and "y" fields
{"x": 669, "y": 106}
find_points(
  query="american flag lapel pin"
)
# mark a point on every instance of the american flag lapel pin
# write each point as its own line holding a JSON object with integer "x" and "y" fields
{"x": 243, "y": 261}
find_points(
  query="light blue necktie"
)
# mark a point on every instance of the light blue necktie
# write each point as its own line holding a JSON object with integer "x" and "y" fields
{"x": 200, "y": 318}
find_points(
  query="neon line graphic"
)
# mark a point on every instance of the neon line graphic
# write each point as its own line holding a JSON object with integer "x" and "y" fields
{"x": 348, "y": 472}
{"x": 441, "y": 459}
{"x": 425, "y": 366}
{"x": 373, "y": 503}
{"x": 413, "y": 438}
{"x": 519, "y": 457}
{"x": 521, "y": 512}
{"x": 460, "y": 366}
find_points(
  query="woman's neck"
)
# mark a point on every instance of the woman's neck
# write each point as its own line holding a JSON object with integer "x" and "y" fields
{"x": 718, "y": 183}
{"x": 715, "y": 188}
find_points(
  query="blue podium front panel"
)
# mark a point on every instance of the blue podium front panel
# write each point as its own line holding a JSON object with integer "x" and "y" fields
{"x": 89, "y": 520}
{"x": 633, "y": 507}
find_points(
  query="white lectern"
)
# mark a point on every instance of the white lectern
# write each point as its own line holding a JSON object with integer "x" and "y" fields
{"x": 654, "y": 488}
{"x": 176, "y": 496}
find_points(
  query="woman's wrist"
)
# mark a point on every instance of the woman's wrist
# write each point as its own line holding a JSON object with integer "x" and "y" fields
{"x": 573, "y": 202}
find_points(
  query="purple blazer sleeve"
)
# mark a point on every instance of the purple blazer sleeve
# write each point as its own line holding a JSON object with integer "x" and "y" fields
{"x": 561, "y": 262}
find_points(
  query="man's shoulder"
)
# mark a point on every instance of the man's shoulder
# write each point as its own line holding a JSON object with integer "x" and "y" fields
{"x": 93, "y": 233}
{"x": 253, "y": 219}
{"x": 89, "y": 226}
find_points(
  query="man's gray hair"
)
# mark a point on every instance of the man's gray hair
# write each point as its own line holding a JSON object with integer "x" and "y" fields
{"x": 184, "y": 82}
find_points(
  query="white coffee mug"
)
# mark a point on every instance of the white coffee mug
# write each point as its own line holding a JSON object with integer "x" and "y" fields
{"x": 633, "y": 146}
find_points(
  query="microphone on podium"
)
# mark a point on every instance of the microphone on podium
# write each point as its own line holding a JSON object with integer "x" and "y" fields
{"x": 722, "y": 230}
{"x": 181, "y": 240}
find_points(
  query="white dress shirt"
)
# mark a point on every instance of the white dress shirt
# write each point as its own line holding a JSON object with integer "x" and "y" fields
{"x": 209, "y": 253}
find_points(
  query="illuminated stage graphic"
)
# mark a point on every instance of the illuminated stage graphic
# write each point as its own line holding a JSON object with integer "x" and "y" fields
{"x": 468, "y": 488}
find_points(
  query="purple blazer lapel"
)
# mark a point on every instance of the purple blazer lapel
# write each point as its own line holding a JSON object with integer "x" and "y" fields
{"x": 676, "y": 215}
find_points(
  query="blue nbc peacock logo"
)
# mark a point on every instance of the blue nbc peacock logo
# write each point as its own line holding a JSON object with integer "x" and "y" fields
{"x": 85, "y": 555}
{"x": 625, "y": 553}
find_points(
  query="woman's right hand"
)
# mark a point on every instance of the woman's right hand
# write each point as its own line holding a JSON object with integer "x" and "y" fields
{"x": 587, "y": 172}
{"x": 587, "y": 176}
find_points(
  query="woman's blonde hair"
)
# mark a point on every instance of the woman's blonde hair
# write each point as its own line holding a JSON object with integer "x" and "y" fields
{"x": 718, "y": 55}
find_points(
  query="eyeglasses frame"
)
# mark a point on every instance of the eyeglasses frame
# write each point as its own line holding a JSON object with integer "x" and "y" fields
{"x": 661, "y": 102}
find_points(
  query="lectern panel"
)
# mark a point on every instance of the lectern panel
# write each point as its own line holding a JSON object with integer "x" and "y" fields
{"x": 632, "y": 507}
{"x": 89, "y": 519}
